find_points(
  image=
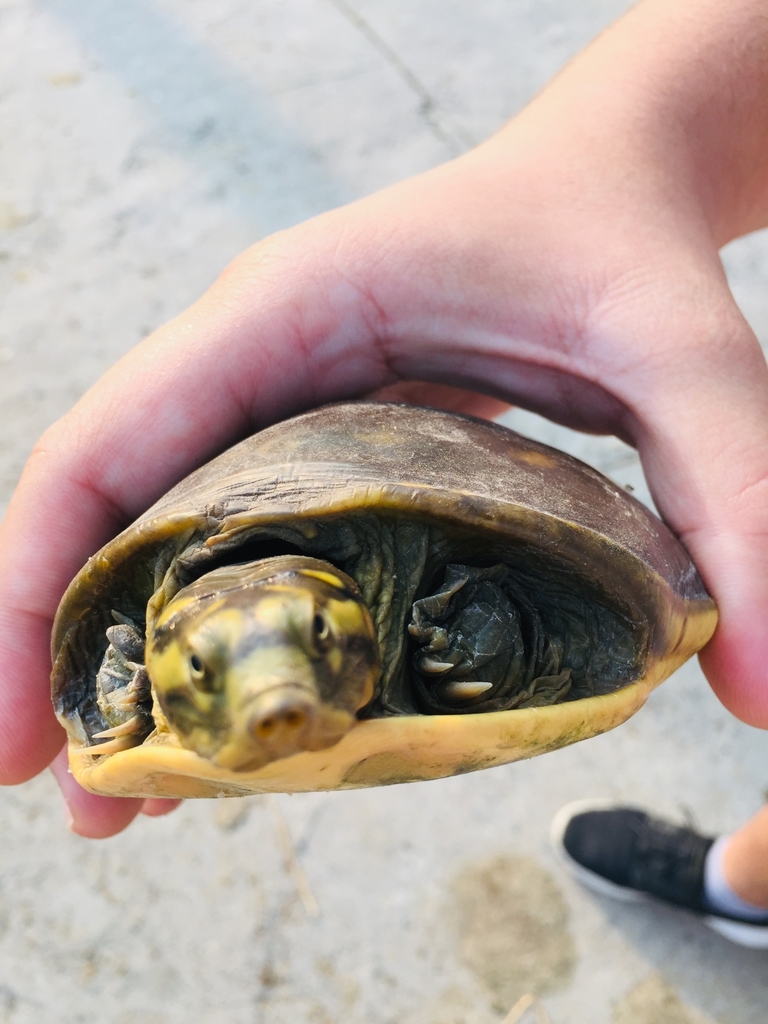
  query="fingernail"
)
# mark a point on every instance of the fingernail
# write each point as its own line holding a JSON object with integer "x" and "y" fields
{"x": 69, "y": 819}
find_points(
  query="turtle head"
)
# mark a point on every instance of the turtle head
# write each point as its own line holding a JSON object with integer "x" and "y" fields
{"x": 255, "y": 662}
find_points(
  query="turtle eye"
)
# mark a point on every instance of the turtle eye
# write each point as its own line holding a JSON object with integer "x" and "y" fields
{"x": 321, "y": 631}
{"x": 199, "y": 674}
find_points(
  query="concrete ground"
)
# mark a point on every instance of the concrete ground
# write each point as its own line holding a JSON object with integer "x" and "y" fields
{"x": 142, "y": 145}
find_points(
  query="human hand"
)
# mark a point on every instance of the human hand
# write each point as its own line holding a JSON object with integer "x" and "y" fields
{"x": 569, "y": 265}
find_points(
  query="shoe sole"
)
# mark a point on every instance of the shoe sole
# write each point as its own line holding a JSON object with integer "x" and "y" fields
{"x": 751, "y": 936}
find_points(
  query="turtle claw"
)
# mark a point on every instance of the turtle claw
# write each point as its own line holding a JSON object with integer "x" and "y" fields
{"x": 434, "y": 667}
{"x": 126, "y": 729}
{"x": 119, "y": 737}
{"x": 462, "y": 689}
{"x": 113, "y": 746}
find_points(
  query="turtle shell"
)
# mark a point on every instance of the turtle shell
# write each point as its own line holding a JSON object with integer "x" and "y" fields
{"x": 393, "y": 494}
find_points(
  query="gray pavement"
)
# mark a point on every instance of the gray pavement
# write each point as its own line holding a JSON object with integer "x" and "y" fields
{"x": 142, "y": 145}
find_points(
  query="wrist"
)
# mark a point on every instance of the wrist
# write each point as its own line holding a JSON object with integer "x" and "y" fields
{"x": 675, "y": 93}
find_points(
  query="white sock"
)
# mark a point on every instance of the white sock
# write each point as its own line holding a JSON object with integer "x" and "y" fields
{"x": 718, "y": 895}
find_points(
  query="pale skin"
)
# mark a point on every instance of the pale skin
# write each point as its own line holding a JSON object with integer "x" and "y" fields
{"x": 569, "y": 264}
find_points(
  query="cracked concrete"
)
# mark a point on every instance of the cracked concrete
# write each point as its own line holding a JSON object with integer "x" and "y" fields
{"x": 143, "y": 145}
{"x": 456, "y": 138}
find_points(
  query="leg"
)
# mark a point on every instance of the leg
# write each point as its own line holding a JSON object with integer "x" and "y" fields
{"x": 626, "y": 853}
{"x": 745, "y": 860}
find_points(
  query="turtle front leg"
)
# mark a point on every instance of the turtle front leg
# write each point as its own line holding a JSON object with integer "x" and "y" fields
{"x": 483, "y": 647}
{"x": 123, "y": 689}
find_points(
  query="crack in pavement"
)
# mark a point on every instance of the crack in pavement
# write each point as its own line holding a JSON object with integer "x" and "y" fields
{"x": 455, "y": 137}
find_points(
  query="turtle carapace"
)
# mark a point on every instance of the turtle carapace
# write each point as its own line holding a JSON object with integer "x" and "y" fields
{"x": 367, "y": 593}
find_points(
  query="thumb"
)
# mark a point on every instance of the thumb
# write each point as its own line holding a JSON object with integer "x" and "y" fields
{"x": 703, "y": 440}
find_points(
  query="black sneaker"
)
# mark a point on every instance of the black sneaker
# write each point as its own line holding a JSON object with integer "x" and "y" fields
{"x": 625, "y": 853}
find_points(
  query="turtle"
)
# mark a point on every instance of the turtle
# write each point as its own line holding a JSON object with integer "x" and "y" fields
{"x": 365, "y": 594}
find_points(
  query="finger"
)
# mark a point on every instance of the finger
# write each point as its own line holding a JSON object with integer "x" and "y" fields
{"x": 442, "y": 396}
{"x": 702, "y": 406}
{"x": 724, "y": 524}
{"x": 30, "y": 736}
{"x": 156, "y": 808}
{"x": 35, "y": 573}
{"x": 90, "y": 816}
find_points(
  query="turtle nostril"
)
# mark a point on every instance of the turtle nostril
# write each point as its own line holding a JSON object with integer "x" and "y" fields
{"x": 280, "y": 720}
{"x": 276, "y": 720}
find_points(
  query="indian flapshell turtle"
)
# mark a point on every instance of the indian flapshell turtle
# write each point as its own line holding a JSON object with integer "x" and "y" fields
{"x": 366, "y": 594}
